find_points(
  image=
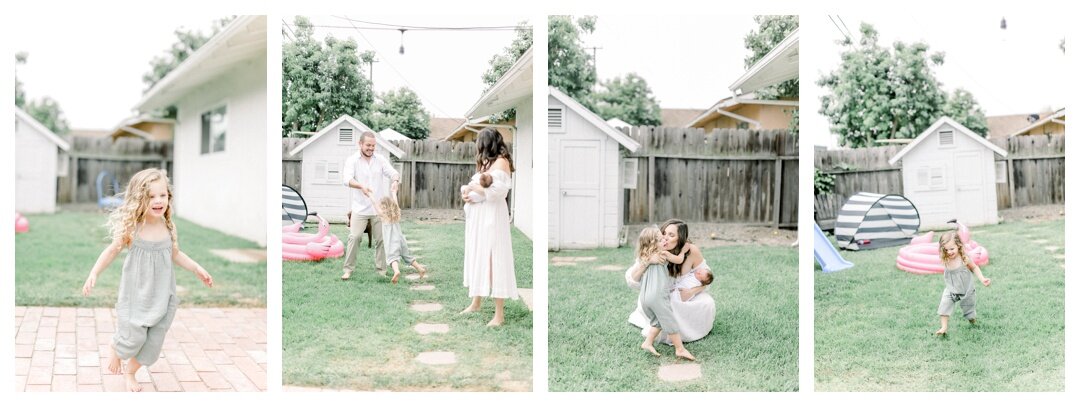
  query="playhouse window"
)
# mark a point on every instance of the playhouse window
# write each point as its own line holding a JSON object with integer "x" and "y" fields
{"x": 214, "y": 123}
{"x": 629, "y": 173}
{"x": 1001, "y": 172}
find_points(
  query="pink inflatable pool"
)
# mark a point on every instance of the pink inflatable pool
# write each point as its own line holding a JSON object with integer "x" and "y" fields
{"x": 298, "y": 246}
{"x": 22, "y": 225}
{"x": 922, "y": 256}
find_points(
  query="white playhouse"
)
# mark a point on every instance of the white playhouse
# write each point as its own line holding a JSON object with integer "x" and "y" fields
{"x": 37, "y": 164}
{"x": 587, "y": 176}
{"x": 949, "y": 173}
{"x": 324, "y": 160}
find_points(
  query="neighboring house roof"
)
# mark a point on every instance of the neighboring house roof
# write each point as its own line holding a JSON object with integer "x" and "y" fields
{"x": 1003, "y": 126}
{"x": 595, "y": 120}
{"x": 439, "y": 127}
{"x": 89, "y": 133}
{"x": 780, "y": 64}
{"x": 959, "y": 127}
{"x": 128, "y": 126}
{"x": 361, "y": 127}
{"x": 514, "y": 86}
{"x": 244, "y": 38}
{"x": 617, "y": 122}
{"x": 678, "y": 117}
{"x": 389, "y": 134}
{"x": 40, "y": 128}
{"x": 727, "y": 105}
{"x": 1057, "y": 117}
{"x": 472, "y": 127}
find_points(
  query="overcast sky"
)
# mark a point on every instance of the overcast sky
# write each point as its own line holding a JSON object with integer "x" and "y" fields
{"x": 688, "y": 61}
{"x": 93, "y": 66}
{"x": 1019, "y": 70}
{"x": 444, "y": 67}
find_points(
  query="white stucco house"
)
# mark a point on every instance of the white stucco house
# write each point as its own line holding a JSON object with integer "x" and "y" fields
{"x": 323, "y": 160}
{"x": 514, "y": 90}
{"x": 587, "y": 176}
{"x": 949, "y": 173}
{"x": 219, "y": 160}
{"x": 38, "y": 163}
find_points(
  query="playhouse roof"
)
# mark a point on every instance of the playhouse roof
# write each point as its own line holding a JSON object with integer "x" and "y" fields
{"x": 595, "y": 120}
{"x": 241, "y": 40}
{"x": 36, "y": 125}
{"x": 397, "y": 152}
{"x": 514, "y": 86}
{"x": 780, "y": 64}
{"x": 933, "y": 127}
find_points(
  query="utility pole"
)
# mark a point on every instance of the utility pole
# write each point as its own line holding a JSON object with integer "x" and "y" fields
{"x": 371, "y": 71}
{"x": 595, "y": 73}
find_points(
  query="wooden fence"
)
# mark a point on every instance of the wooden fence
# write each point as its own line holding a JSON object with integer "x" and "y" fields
{"x": 431, "y": 171}
{"x": 725, "y": 175}
{"x": 1035, "y": 168}
{"x": 123, "y": 158}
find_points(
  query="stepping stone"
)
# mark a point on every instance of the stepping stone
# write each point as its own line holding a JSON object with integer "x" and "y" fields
{"x": 427, "y": 329}
{"x": 415, "y": 249}
{"x": 249, "y": 256}
{"x": 562, "y": 259}
{"x": 583, "y": 259}
{"x": 1052, "y": 248}
{"x": 436, "y": 358}
{"x": 515, "y": 385}
{"x": 526, "y": 297}
{"x": 1040, "y": 241}
{"x": 426, "y": 307}
{"x": 425, "y": 287}
{"x": 563, "y": 264}
{"x": 611, "y": 267}
{"x": 680, "y": 372}
{"x": 1059, "y": 256}
{"x": 412, "y": 277}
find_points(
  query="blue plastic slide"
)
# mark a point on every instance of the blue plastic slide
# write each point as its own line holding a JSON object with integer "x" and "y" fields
{"x": 825, "y": 253}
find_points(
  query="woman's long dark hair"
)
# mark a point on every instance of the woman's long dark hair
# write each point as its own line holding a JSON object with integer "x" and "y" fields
{"x": 490, "y": 147}
{"x": 682, "y": 232}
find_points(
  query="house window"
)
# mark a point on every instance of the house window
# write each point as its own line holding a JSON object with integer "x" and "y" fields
{"x": 320, "y": 172}
{"x": 62, "y": 165}
{"x": 556, "y": 119}
{"x": 742, "y": 126}
{"x": 333, "y": 172}
{"x": 345, "y": 136}
{"x": 629, "y": 173}
{"x": 945, "y": 138}
{"x": 1001, "y": 172}
{"x": 214, "y": 123}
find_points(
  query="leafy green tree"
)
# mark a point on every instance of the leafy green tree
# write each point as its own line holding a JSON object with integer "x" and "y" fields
{"x": 570, "y": 67}
{"x": 187, "y": 42}
{"x": 20, "y": 94}
{"x": 882, "y": 93}
{"x": 321, "y": 80}
{"x": 770, "y": 32}
{"x": 402, "y": 111}
{"x": 963, "y": 108}
{"x": 501, "y": 62}
{"x": 628, "y": 98}
{"x": 47, "y": 112}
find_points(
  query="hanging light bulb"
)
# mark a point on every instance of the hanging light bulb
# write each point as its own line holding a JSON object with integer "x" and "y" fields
{"x": 1003, "y": 26}
{"x": 401, "y": 50}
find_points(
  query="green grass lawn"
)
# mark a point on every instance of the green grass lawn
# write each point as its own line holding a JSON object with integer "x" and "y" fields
{"x": 358, "y": 334}
{"x": 753, "y": 345}
{"x": 54, "y": 258}
{"x": 874, "y": 323}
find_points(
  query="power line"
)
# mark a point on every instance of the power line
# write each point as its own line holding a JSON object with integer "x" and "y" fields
{"x": 840, "y": 30}
{"x": 443, "y": 28}
{"x": 476, "y": 29}
{"x": 286, "y": 24}
{"x": 844, "y": 24}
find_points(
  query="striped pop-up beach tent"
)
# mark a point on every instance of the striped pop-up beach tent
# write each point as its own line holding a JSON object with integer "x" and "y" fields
{"x": 293, "y": 207}
{"x": 871, "y": 221}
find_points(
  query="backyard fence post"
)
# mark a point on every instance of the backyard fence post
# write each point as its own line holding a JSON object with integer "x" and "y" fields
{"x": 1012, "y": 187}
{"x": 777, "y": 190}
{"x": 652, "y": 187}
{"x": 74, "y": 177}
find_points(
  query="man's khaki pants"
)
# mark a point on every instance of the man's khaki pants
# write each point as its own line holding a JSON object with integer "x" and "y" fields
{"x": 356, "y": 231}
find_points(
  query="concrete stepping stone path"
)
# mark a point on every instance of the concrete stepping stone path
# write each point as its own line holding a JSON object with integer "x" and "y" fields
{"x": 428, "y": 329}
{"x": 611, "y": 267}
{"x": 436, "y": 358}
{"x": 526, "y": 297}
{"x": 680, "y": 372}
{"x": 412, "y": 277}
{"x": 426, "y": 307}
{"x": 423, "y": 287}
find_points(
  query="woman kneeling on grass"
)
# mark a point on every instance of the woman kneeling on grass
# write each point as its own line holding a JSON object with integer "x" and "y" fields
{"x": 958, "y": 284}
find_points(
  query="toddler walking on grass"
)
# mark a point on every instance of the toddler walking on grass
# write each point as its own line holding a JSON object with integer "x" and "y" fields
{"x": 655, "y": 295}
{"x": 958, "y": 284}
{"x": 147, "y": 300}
{"x": 397, "y": 250}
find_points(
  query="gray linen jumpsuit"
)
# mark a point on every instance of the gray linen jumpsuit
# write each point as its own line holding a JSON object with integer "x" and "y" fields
{"x": 655, "y": 298}
{"x": 959, "y": 287}
{"x": 147, "y": 302}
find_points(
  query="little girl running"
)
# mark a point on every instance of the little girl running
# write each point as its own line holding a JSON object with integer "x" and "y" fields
{"x": 655, "y": 295}
{"x": 397, "y": 249}
{"x": 147, "y": 300}
{"x": 958, "y": 284}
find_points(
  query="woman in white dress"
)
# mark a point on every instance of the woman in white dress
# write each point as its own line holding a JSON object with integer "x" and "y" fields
{"x": 694, "y": 309}
{"x": 489, "y": 257}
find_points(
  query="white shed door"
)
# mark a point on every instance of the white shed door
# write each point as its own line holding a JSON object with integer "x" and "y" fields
{"x": 970, "y": 193}
{"x": 579, "y": 193}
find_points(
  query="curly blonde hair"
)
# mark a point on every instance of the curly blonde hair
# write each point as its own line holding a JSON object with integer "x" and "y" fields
{"x": 389, "y": 209}
{"x": 124, "y": 219}
{"x": 955, "y": 238}
{"x": 648, "y": 244}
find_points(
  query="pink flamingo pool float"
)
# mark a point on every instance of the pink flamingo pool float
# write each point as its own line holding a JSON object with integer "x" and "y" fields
{"x": 298, "y": 246}
{"x": 922, "y": 255}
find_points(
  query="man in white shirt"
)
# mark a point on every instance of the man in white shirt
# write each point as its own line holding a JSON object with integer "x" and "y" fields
{"x": 364, "y": 173}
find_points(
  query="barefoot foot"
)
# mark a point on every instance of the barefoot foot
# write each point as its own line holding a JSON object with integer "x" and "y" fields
{"x": 496, "y": 321}
{"x": 346, "y": 275}
{"x": 685, "y": 354}
{"x": 648, "y": 346}
{"x": 114, "y": 361}
{"x": 394, "y": 279}
{"x": 941, "y": 332}
{"x": 420, "y": 268}
{"x": 972, "y": 321}
{"x": 132, "y": 384}
{"x": 469, "y": 309}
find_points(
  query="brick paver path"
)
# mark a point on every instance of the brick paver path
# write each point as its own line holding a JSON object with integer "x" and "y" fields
{"x": 207, "y": 349}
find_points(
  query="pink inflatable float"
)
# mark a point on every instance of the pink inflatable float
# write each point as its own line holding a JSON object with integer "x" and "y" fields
{"x": 22, "y": 225}
{"x": 922, "y": 255}
{"x": 299, "y": 246}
